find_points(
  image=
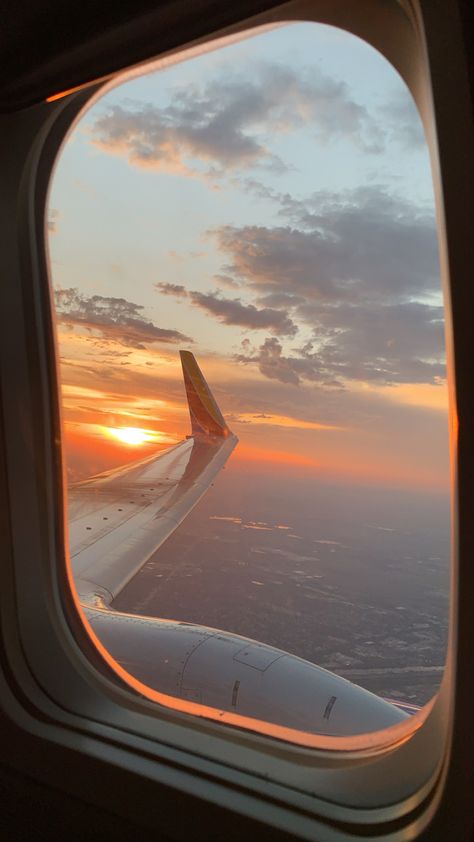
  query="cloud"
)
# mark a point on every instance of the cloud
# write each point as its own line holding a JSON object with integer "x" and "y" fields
{"x": 274, "y": 365}
{"x": 284, "y": 421}
{"x": 399, "y": 344}
{"x": 113, "y": 319}
{"x": 226, "y": 281}
{"x": 375, "y": 342}
{"x": 348, "y": 246}
{"x": 233, "y": 312}
{"x": 359, "y": 271}
{"x": 228, "y": 123}
{"x": 175, "y": 290}
{"x": 403, "y": 122}
{"x": 383, "y": 437}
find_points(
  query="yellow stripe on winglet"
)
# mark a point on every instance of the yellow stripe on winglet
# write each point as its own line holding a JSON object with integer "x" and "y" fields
{"x": 206, "y": 417}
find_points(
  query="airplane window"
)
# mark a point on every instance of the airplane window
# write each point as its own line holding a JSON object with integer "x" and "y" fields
{"x": 251, "y": 335}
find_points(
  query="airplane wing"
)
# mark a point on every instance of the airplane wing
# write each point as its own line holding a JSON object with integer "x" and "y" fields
{"x": 118, "y": 519}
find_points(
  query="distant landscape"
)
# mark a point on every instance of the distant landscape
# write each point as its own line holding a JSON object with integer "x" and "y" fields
{"x": 354, "y": 579}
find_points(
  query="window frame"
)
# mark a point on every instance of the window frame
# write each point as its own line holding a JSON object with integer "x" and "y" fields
{"x": 56, "y": 687}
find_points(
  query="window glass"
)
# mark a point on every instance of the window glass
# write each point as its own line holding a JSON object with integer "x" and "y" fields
{"x": 269, "y": 208}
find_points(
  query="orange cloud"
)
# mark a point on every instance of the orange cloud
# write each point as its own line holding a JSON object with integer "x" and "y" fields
{"x": 265, "y": 419}
{"x": 425, "y": 395}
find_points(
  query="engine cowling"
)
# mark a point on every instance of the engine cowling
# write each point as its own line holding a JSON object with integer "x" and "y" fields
{"x": 233, "y": 673}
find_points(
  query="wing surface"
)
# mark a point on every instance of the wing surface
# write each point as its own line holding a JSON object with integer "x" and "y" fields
{"x": 118, "y": 519}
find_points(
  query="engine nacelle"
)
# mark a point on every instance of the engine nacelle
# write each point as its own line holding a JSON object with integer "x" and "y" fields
{"x": 234, "y": 673}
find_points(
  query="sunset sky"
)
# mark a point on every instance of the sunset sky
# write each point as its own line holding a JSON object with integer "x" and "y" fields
{"x": 268, "y": 206}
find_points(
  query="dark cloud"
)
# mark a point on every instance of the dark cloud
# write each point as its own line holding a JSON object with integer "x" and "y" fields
{"x": 388, "y": 343}
{"x": 233, "y": 312}
{"x": 244, "y": 315}
{"x": 175, "y": 290}
{"x": 350, "y": 246}
{"x": 357, "y": 269}
{"x": 271, "y": 362}
{"x": 114, "y": 319}
{"x": 229, "y": 122}
{"x": 287, "y": 369}
{"x": 395, "y": 344}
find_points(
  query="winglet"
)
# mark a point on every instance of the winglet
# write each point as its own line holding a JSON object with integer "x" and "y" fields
{"x": 206, "y": 417}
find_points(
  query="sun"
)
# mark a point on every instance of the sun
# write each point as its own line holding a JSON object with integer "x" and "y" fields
{"x": 132, "y": 435}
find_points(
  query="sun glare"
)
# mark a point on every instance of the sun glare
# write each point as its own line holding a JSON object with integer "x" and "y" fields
{"x": 132, "y": 435}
